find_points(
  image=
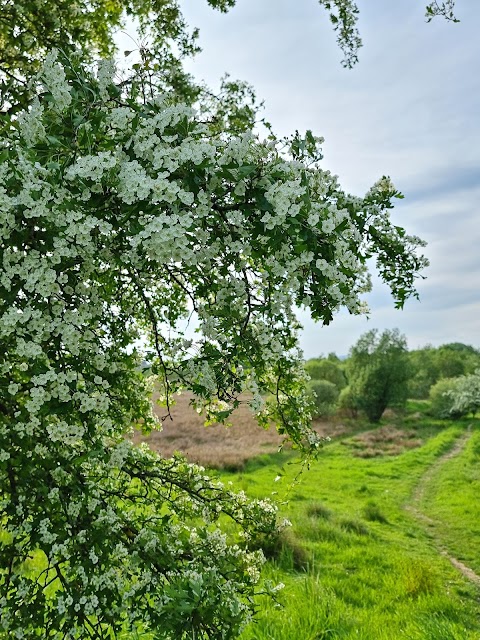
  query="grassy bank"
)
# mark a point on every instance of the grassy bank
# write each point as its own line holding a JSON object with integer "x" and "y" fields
{"x": 356, "y": 563}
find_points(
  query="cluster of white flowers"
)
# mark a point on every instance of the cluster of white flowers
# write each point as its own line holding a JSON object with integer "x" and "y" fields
{"x": 46, "y": 535}
{"x": 92, "y": 167}
{"x": 31, "y": 124}
{"x": 54, "y": 80}
{"x": 105, "y": 76}
{"x": 119, "y": 454}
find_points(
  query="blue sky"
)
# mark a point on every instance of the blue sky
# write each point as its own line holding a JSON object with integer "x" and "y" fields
{"x": 409, "y": 109}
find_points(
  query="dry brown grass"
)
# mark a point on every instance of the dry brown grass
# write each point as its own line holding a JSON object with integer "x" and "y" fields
{"x": 219, "y": 446}
{"x": 384, "y": 441}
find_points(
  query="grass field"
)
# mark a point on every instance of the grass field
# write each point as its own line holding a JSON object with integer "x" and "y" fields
{"x": 219, "y": 446}
{"x": 385, "y": 535}
{"x": 358, "y": 563}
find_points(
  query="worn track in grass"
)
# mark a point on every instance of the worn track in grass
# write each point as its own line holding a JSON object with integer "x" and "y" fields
{"x": 415, "y": 508}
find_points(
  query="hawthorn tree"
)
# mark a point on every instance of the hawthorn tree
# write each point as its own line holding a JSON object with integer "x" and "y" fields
{"x": 122, "y": 212}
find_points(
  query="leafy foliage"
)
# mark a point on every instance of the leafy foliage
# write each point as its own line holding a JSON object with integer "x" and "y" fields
{"x": 378, "y": 372}
{"x": 122, "y": 209}
{"x": 444, "y": 9}
{"x": 344, "y": 18}
{"x": 31, "y": 28}
{"x": 325, "y": 369}
{"x": 324, "y": 395}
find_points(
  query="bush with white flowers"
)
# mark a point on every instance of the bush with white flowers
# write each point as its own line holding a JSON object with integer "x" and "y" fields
{"x": 466, "y": 395}
{"x": 120, "y": 218}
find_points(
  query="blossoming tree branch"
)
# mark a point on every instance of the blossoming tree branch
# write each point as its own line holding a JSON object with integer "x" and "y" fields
{"x": 124, "y": 211}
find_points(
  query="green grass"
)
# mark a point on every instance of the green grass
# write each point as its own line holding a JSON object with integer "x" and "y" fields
{"x": 355, "y": 563}
{"x": 453, "y": 500}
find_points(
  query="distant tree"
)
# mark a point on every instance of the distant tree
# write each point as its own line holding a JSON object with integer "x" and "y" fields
{"x": 424, "y": 371}
{"x": 324, "y": 396}
{"x": 451, "y": 363}
{"x": 332, "y": 356}
{"x": 322, "y": 369}
{"x": 460, "y": 346}
{"x": 465, "y": 395}
{"x": 441, "y": 398}
{"x": 349, "y": 402}
{"x": 378, "y": 372}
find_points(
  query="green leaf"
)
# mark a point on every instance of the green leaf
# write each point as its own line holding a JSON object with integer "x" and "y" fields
{"x": 246, "y": 170}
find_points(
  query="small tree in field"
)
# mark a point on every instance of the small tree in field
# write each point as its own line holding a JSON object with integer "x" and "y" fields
{"x": 378, "y": 371}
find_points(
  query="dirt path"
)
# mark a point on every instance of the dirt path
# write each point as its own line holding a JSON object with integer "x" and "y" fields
{"x": 415, "y": 508}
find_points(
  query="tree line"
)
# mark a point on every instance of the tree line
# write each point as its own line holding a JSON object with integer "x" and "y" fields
{"x": 380, "y": 373}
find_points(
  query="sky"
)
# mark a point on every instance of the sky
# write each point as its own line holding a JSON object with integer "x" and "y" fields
{"x": 409, "y": 110}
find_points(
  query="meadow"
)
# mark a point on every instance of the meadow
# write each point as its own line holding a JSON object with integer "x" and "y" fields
{"x": 385, "y": 534}
{"x": 384, "y": 541}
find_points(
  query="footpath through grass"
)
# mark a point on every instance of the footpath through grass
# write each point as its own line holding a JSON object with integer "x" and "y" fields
{"x": 355, "y": 563}
{"x": 452, "y": 500}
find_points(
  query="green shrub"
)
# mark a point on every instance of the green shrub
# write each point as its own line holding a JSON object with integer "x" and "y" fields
{"x": 324, "y": 396}
{"x": 348, "y": 402}
{"x": 441, "y": 402}
{"x": 322, "y": 369}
